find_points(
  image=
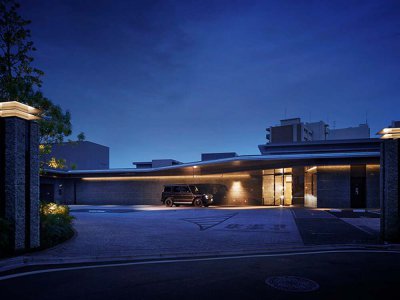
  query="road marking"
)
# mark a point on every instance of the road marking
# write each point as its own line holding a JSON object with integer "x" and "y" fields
{"x": 292, "y": 284}
{"x": 190, "y": 260}
{"x": 207, "y": 222}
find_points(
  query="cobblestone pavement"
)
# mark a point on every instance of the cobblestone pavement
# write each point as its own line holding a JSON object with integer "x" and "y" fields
{"x": 148, "y": 231}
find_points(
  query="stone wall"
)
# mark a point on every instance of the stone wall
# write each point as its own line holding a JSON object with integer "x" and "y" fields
{"x": 227, "y": 191}
{"x": 20, "y": 180}
{"x": 389, "y": 190}
{"x": 372, "y": 186}
{"x": 333, "y": 186}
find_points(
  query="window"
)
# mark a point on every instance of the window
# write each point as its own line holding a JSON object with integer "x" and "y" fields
{"x": 185, "y": 189}
{"x": 177, "y": 189}
{"x": 167, "y": 189}
{"x": 194, "y": 189}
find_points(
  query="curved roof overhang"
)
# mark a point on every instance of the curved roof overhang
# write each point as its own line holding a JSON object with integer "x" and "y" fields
{"x": 229, "y": 165}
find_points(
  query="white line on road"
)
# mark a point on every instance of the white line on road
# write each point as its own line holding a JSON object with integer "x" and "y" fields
{"x": 189, "y": 260}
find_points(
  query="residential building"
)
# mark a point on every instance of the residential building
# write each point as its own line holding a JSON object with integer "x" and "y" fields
{"x": 362, "y": 131}
{"x": 294, "y": 131}
{"x": 156, "y": 163}
{"x": 82, "y": 155}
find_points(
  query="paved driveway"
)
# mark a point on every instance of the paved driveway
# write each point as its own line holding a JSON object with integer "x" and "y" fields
{"x": 153, "y": 231}
{"x": 123, "y": 231}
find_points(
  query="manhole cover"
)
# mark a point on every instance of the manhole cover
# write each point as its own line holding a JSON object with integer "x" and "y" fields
{"x": 292, "y": 284}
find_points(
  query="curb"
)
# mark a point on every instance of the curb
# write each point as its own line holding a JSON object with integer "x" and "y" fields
{"x": 28, "y": 261}
{"x": 25, "y": 260}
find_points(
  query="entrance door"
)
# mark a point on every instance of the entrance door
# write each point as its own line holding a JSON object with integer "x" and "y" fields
{"x": 277, "y": 187}
{"x": 279, "y": 190}
{"x": 47, "y": 192}
{"x": 283, "y": 189}
{"x": 358, "y": 186}
{"x": 268, "y": 188}
{"x": 287, "y": 190}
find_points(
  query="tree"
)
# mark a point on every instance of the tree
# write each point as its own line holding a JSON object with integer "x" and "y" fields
{"x": 21, "y": 81}
{"x": 81, "y": 137}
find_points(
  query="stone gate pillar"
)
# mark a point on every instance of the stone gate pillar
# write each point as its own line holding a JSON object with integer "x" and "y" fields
{"x": 389, "y": 189}
{"x": 19, "y": 173}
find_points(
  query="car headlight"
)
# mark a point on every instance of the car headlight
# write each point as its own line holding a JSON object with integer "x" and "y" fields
{"x": 206, "y": 196}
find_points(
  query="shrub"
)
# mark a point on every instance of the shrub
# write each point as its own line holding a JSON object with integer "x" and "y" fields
{"x": 4, "y": 237}
{"x": 55, "y": 224}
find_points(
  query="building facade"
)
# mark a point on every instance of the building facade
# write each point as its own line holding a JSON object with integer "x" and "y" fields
{"x": 82, "y": 155}
{"x": 313, "y": 174}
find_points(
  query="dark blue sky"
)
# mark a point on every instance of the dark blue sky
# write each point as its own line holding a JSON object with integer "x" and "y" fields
{"x": 173, "y": 79}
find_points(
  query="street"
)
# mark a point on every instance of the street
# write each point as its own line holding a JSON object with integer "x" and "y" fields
{"x": 335, "y": 275}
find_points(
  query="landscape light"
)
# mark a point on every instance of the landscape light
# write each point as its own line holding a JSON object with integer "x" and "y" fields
{"x": 179, "y": 177}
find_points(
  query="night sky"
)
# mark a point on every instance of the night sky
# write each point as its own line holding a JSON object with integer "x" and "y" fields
{"x": 173, "y": 79}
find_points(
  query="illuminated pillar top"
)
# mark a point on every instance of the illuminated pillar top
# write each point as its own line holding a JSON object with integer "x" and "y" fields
{"x": 390, "y": 133}
{"x": 17, "y": 109}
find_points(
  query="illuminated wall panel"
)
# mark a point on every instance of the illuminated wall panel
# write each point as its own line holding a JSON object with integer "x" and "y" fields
{"x": 229, "y": 189}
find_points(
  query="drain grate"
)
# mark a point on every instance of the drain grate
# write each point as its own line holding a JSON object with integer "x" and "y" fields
{"x": 292, "y": 284}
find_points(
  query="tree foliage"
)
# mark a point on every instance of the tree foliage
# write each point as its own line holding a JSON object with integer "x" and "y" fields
{"x": 21, "y": 81}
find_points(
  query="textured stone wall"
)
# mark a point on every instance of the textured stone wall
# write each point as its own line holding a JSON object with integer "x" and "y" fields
{"x": 34, "y": 186}
{"x": 390, "y": 202}
{"x": 372, "y": 186}
{"x": 333, "y": 186}
{"x": 232, "y": 191}
{"x": 15, "y": 137}
{"x": 20, "y": 174}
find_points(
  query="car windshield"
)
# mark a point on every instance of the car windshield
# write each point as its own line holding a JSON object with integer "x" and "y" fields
{"x": 194, "y": 189}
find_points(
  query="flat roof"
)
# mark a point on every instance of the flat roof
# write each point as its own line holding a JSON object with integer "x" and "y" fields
{"x": 237, "y": 163}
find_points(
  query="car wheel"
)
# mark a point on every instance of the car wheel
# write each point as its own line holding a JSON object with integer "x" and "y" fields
{"x": 168, "y": 202}
{"x": 198, "y": 202}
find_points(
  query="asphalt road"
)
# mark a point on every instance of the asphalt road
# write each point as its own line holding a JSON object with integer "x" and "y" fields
{"x": 331, "y": 275}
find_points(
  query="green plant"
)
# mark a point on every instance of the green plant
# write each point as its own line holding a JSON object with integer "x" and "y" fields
{"x": 4, "y": 237}
{"x": 55, "y": 224}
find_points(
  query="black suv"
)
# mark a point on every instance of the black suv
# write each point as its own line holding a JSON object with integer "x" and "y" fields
{"x": 184, "y": 194}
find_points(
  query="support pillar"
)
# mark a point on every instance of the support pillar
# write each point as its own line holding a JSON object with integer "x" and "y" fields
{"x": 19, "y": 174}
{"x": 389, "y": 190}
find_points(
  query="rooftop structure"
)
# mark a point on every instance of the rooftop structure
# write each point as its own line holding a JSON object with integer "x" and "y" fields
{"x": 294, "y": 130}
{"x": 83, "y": 155}
{"x": 218, "y": 155}
{"x": 156, "y": 163}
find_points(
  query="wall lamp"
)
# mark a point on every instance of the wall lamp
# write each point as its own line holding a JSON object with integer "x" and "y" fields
{"x": 17, "y": 109}
{"x": 389, "y": 133}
